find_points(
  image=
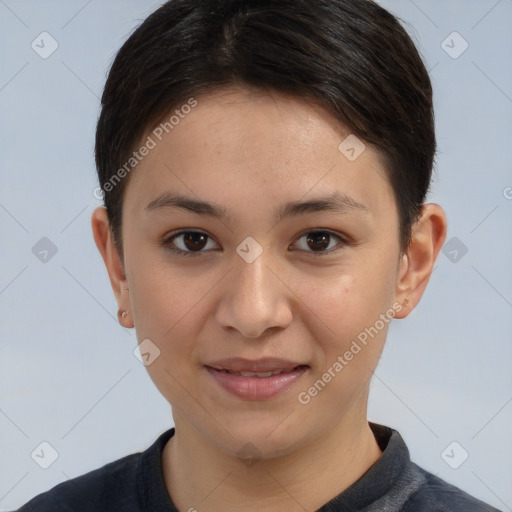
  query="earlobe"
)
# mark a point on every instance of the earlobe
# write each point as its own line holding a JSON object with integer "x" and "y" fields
{"x": 104, "y": 240}
{"x": 416, "y": 266}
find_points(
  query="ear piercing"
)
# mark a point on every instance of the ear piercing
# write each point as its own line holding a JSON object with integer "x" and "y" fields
{"x": 122, "y": 314}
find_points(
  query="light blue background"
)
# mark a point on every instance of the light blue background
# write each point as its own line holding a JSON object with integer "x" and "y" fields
{"x": 68, "y": 375}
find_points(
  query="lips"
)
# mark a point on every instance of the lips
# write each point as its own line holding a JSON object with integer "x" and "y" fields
{"x": 256, "y": 374}
{"x": 255, "y": 380}
{"x": 268, "y": 364}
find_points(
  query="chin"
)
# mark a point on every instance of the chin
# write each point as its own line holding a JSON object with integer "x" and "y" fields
{"x": 260, "y": 437}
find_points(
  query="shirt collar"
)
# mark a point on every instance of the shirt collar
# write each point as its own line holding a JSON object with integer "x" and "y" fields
{"x": 374, "y": 487}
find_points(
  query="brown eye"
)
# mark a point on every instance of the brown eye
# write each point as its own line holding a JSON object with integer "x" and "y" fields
{"x": 320, "y": 242}
{"x": 189, "y": 243}
{"x": 194, "y": 241}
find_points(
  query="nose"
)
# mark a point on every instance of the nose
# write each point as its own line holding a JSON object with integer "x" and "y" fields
{"x": 254, "y": 299}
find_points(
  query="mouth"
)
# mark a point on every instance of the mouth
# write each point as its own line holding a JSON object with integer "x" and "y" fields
{"x": 255, "y": 380}
{"x": 263, "y": 365}
{"x": 257, "y": 374}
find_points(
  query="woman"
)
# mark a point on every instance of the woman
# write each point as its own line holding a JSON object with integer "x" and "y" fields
{"x": 264, "y": 167}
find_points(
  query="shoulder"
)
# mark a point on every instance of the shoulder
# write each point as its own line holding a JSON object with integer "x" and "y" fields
{"x": 437, "y": 495}
{"x": 111, "y": 487}
{"x": 124, "y": 485}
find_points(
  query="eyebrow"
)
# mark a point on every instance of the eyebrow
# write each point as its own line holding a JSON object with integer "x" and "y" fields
{"x": 336, "y": 202}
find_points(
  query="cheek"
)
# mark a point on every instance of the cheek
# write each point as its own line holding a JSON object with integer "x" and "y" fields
{"x": 348, "y": 341}
{"x": 341, "y": 314}
{"x": 166, "y": 309}
{"x": 345, "y": 300}
{"x": 163, "y": 303}
{"x": 170, "y": 307}
{"x": 160, "y": 293}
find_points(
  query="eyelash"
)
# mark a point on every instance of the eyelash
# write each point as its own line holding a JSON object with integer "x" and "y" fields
{"x": 179, "y": 252}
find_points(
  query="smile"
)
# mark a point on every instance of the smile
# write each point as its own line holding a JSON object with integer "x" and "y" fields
{"x": 256, "y": 385}
{"x": 256, "y": 374}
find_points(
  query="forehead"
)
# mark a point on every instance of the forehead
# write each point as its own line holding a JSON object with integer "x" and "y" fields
{"x": 243, "y": 146}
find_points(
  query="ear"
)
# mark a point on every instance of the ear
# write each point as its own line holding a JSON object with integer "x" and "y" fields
{"x": 104, "y": 240}
{"x": 416, "y": 265}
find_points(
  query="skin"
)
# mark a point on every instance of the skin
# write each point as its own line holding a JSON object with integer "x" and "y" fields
{"x": 251, "y": 152}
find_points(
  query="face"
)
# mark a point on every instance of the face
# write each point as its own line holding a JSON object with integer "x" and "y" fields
{"x": 294, "y": 258}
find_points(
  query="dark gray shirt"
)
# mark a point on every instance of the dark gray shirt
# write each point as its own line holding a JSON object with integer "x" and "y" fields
{"x": 135, "y": 484}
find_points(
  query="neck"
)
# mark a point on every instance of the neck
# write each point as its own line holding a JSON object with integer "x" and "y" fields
{"x": 200, "y": 476}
